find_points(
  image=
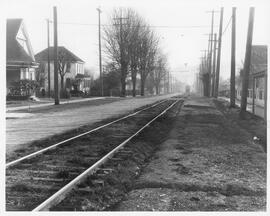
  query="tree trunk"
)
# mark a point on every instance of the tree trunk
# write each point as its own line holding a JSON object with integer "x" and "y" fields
{"x": 133, "y": 86}
{"x": 206, "y": 84}
{"x": 157, "y": 90}
{"x": 62, "y": 83}
{"x": 123, "y": 80}
{"x": 134, "y": 80}
{"x": 142, "y": 86}
{"x": 123, "y": 87}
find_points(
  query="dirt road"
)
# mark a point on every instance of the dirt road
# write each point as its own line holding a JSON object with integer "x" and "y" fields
{"x": 45, "y": 122}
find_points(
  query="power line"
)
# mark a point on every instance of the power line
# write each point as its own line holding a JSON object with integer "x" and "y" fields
{"x": 151, "y": 26}
{"x": 227, "y": 25}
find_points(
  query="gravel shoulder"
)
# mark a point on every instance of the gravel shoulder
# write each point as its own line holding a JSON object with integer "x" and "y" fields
{"x": 207, "y": 163}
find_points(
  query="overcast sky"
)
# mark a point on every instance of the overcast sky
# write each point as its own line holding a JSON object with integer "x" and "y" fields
{"x": 182, "y": 26}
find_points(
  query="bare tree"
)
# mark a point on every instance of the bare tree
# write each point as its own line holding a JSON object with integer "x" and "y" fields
{"x": 160, "y": 72}
{"x": 148, "y": 49}
{"x": 116, "y": 40}
{"x": 131, "y": 46}
{"x": 63, "y": 66}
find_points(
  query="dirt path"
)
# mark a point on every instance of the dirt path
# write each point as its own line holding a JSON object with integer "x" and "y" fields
{"x": 206, "y": 164}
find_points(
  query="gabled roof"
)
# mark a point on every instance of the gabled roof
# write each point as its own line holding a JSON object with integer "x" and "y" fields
{"x": 43, "y": 55}
{"x": 14, "y": 51}
{"x": 258, "y": 58}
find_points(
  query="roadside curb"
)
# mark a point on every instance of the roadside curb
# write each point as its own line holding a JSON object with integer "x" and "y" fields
{"x": 50, "y": 104}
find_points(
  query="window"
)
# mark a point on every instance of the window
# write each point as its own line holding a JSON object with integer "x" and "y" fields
{"x": 68, "y": 67}
{"x": 31, "y": 73}
{"x": 250, "y": 93}
{"x": 80, "y": 68}
{"x": 27, "y": 73}
{"x": 68, "y": 83}
{"x": 24, "y": 73}
{"x": 260, "y": 94}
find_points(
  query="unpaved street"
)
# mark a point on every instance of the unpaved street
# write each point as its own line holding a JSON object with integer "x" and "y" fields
{"x": 42, "y": 123}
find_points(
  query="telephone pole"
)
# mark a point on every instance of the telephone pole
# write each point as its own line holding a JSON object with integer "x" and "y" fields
{"x": 100, "y": 60}
{"x": 56, "y": 92}
{"x": 219, "y": 51}
{"x": 247, "y": 62}
{"x": 123, "y": 90}
{"x": 205, "y": 70}
{"x": 214, "y": 65}
{"x": 232, "y": 90}
{"x": 49, "y": 67}
{"x": 208, "y": 74}
{"x": 210, "y": 54}
{"x": 210, "y": 47}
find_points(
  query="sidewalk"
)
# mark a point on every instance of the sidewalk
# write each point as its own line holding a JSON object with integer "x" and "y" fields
{"x": 205, "y": 164}
{"x": 40, "y": 125}
{"x": 15, "y": 108}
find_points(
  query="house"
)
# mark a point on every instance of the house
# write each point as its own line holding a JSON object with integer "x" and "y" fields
{"x": 71, "y": 70}
{"x": 257, "y": 76}
{"x": 20, "y": 60}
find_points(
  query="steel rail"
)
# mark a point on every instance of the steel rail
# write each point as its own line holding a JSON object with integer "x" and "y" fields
{"x": 80, "y": 135}
{"x": 60, "y": 195}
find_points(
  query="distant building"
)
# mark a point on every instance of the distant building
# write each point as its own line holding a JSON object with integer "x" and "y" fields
{"x": 74, "y": 78}
{"x": 20, "y": 60}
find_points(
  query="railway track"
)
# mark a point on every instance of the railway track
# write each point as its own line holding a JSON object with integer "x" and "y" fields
{"x": 41, "y": 180}
{"x": 22, "y": 156}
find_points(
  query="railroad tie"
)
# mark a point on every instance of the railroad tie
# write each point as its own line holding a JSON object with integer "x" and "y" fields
{"x": 98, "y": 182}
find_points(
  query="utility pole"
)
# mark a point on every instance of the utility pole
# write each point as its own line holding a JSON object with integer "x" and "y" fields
{"x": 123, "y": 90}
{"x": 210, "y": 54}
{"x": 214, "y": 65}
{"x": 205, "y": 64}
{"x": 49, "y": 66}
{"x": 219, "y": 52}
{"x": 100, "y": 60}
{"x": 247, "y": 62}
{"x": 232, "y": 99}
{"x": 208, "y": 74}
{"x": 56, "y": 92}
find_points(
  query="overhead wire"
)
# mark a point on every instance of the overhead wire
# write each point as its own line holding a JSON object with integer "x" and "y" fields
{"x": 151, "y": 26}
{"x": 227, "y": 25}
